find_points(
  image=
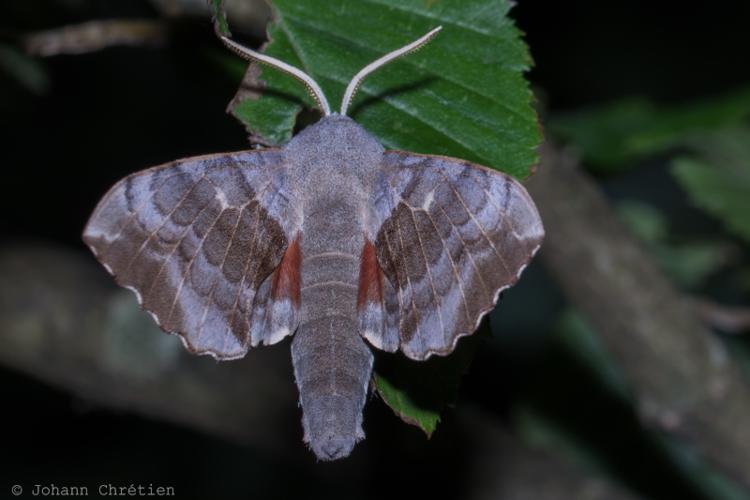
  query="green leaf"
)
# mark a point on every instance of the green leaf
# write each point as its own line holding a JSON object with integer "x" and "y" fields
{"x": 613, "y": 136}
{"x": 707, "y": 479}
{"x": 219, "y": 17}
{"x": 718, "y": 178}
{"x": 405, "y": 407}
{"x": 419, "y": 391}
{"x": 688, "y": 263}
{"x": 584, "y": 343}
{"x": 741, "y": 278}
{"x": 648, "y": 223}
{"x": 24, "y": 69}
{"x": 691, "y": 264}
{"x": 462, "y": 95}
{"x": 542, "y": 432}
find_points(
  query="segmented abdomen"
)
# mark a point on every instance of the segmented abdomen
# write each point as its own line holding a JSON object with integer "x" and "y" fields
{"x": 332, "y": 364}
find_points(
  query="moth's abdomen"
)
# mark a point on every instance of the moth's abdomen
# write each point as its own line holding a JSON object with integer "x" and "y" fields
{"x": 332, "y": 364}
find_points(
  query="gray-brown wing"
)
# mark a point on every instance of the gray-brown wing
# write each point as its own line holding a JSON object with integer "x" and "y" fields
{"x": 195, "y": 240}
{"x": 449, "y": 237}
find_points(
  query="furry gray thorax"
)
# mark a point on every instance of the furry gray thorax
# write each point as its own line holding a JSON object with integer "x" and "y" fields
{"x": 333, "y": 163}
{"x": 335, "y": 149}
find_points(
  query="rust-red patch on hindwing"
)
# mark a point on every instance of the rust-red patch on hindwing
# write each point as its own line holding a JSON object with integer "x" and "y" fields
{"x": 370, "y": 277}
{"x": 286, "y": 277}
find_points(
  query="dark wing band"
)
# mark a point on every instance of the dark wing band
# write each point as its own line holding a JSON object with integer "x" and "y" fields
{"x": 195, "y": 239}
{"x": 450, "y": 236}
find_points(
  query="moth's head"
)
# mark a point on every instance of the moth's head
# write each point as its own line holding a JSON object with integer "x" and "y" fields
{"x": 312, "y": 86}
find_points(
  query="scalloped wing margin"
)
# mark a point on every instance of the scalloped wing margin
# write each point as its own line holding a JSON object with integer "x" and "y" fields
{"x": 449, "y": 237}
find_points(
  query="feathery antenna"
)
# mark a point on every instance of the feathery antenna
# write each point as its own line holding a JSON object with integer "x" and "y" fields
{"x": 353, "y": 86}
{"x": 312, "y": 87}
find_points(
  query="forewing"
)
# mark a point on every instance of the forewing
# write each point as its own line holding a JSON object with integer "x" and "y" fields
{"x": 449, "y": 237}
{"x": 195, "y": 239}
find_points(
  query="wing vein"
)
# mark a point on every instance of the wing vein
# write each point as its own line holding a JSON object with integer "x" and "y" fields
{"x": 453, "y": 266}
{"x": 468, "y": 252}
{"x": 411, "y": 287}
{"x": 134, "y": 214}
{"x": 248, "y": 259}
{"x": 395, "y": 275}
{"x": 166, "y": 219}
{"x": 171, "y": 253}
{"x": 215, "y": 283}
{"x": 190, "y": 266}
{"x": 479, "y": 226}
{"x": 435, "y": 296}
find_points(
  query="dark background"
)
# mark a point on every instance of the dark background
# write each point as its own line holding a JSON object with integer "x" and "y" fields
{"x": 122, "y": 109}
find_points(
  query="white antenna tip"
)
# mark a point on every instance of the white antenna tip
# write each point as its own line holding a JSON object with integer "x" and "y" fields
{"x": 351, "y": 89}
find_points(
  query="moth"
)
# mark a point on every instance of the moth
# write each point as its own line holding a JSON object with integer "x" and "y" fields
{"x": 330, "y": 238}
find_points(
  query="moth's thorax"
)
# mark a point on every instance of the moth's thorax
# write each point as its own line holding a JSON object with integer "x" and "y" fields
{"x": 334, "y": 147}
{"x": 332, "y": 165}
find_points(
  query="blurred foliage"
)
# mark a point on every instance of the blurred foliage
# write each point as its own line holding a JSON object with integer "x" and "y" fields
{"x": 707, "y": 144}
{"x": 614, "y": 136}
{"x": 27, "y": 71}
{"x": 576, "y": 336}
{"x": 717, "y": 177}
{"x": 546, "y": 429}
{"x": 688, "y": 263}
{"x": 711, "y": 139}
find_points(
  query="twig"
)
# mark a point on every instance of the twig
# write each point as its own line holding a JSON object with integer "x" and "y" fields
{"x": 94, "y": 36}
{"x": 249, "y": 16}
{"x": 728, "y": 319}
{"x": 684, "y": 381}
